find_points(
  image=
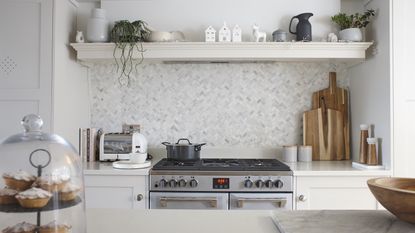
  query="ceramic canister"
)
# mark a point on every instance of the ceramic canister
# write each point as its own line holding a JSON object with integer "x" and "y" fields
{"x": 97, "y": 27}
{"x": 289, "y": 154}
{"x": 305, "y": 153}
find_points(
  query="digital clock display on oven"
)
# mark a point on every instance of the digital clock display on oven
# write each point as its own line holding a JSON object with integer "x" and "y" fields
{"x": 220, "y": 183}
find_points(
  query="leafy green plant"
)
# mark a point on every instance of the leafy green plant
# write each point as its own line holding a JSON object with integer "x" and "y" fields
{"x": 353, "y": 21}
{"x": 128, "y": 37}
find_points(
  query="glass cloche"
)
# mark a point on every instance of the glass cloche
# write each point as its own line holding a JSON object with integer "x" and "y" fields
{"x": 41, "y": 187}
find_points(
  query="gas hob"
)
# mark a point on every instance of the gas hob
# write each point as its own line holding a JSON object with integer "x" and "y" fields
{"x": 221, "y": 175}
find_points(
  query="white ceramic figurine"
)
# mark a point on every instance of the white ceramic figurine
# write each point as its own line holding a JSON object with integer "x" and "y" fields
{"x": 258, "y": 35}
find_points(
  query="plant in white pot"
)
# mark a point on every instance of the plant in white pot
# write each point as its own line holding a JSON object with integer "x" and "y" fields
{"x": 351, "y": 25}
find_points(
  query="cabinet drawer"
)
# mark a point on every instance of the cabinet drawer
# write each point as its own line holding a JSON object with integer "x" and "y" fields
{"x": 346, "y": 193}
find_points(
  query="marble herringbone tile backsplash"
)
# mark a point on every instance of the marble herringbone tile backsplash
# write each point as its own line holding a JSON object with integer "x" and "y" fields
{"x": 249, "y": 104}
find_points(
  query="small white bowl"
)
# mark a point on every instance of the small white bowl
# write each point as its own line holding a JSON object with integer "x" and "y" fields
{"x": 159, "y": 36}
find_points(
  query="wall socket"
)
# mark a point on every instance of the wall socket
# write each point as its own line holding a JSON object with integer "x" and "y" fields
{"x": 130, "y": 128}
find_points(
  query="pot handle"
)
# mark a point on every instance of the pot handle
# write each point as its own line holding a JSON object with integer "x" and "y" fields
{"x": 199, "y": 147}
{"x": 166, "y": 143}
{"x": 184, "y": 139}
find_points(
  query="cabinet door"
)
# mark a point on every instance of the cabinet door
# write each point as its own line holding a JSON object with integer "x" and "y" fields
{"x": 25, "y": 62}
{"x": 118, "y": 192}
{"x": 316, "y": 193}
{"x": 403, "y": 88}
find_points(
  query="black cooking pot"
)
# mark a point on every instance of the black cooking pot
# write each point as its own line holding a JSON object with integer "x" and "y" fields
{"x": 183, "y": 152}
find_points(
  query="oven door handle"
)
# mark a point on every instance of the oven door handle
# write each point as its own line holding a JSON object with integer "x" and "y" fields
{"x": 213, "y": 201}
{"x": 281, "y": 202}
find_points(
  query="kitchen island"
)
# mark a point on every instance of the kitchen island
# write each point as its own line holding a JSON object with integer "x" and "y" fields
{"x": 197, "y": 221}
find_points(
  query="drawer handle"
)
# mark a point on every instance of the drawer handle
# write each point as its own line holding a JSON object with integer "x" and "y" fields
{"x": 212, "y": 201}
{"x": 281, "y": 202}
{"x": 140, "y": 197}
{"x": 302, "y": 198}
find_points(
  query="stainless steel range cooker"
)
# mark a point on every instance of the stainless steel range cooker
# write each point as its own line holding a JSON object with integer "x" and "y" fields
{"x": 221, "y": 184}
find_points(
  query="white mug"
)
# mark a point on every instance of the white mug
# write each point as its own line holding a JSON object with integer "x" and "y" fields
{"x": 289, "y": 154}
{"x": 138, "y": 157}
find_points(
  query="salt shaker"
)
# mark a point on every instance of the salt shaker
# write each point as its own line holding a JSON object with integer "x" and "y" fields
{"x": 372, "y": 155}
{"x": 364, "y": 134}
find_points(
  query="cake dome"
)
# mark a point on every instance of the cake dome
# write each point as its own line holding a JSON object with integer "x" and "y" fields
{"x": 41, "y": 183}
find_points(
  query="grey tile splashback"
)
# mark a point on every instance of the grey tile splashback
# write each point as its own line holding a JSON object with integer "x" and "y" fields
{"x": 246, "y": 104}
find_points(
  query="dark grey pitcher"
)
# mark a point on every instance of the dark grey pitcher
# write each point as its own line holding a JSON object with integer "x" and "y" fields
{"x": 303, "y": 30}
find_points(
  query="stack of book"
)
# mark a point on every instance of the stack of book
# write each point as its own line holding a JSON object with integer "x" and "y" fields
{"x": 89, "y": 144}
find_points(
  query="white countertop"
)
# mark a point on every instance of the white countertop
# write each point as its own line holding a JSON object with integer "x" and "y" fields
{"x": 315, "y": 168}
{"x": 105, "y": 168}
{"x": 332, "y": 168}
{"x": 204, "y": 221}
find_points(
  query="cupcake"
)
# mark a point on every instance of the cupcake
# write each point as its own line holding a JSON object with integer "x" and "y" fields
{"x": 33, "y": 198}
{"x": 51, "y": 183}
{"x": 7, "y": 196}
{"x": 69, "y": 192}
{"x": 22, "y": 227}
{"x": 20, "y": 180}
{"x": 54, "y": 227}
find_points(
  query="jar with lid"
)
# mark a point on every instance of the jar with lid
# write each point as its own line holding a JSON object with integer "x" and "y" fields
{"x": 372, "y": 153}
{"x": 364, "y": 134}
{"x": 41, "y": 183}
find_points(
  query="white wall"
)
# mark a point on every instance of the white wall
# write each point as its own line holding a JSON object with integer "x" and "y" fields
{"x": 370, "y": 85}
{"x": 71, "y": 89}
{"x": 193, "y": 17}
{"x": 403, "y": 88}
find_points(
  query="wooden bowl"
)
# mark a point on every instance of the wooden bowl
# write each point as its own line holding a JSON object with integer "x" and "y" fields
{"x": 397, "y": 195}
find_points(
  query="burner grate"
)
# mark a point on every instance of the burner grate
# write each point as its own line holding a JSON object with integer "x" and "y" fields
{"x": 223, "y": 165}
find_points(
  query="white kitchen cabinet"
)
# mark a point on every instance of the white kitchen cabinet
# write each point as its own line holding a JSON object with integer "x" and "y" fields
{"x": 334, "y": 192}
{"x": 38, "y": 72}
{"x": 116, "y": 191}
{"x": 25, "y": 62}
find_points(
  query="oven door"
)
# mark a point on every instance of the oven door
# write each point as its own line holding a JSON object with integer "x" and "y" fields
{"x": 188, "y": 200}
{"x": 261, "y": 201}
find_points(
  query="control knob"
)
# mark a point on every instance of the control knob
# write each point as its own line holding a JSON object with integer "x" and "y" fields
{"x": 248, "y": 183}
{"x": 173, "y": 183}
{"x": 278, "y": 184}
{"x": 269, "y": 184}
{"x": 193, "y": 183}
{"x": 182, "y": 183}
{"x": 163, "y": 183}
{"x": 259, "y": 183}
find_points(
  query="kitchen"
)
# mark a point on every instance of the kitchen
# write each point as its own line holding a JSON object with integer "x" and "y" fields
{"x": 245, "y": 100}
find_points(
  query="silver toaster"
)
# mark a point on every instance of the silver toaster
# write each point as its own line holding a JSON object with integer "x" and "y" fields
{"x": 118, "y": 146}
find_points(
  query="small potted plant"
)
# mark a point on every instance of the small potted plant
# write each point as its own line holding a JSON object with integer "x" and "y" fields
{"x": 350, "y": 25}
{"x": 128, "y": 37}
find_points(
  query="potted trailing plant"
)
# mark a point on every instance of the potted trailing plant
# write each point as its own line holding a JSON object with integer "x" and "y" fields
{"x": 128, "y": 37}
{"x": 350, "y": 25}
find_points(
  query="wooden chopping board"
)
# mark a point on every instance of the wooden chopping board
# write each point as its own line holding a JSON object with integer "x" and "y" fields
{"x": 323, "y": 130}
{"x": 337, "y": 99}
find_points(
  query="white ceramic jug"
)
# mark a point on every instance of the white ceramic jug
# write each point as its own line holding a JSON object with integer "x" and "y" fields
{"x": 97, "y": 27}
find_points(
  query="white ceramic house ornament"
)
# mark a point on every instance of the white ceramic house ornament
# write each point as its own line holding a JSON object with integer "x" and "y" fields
{"x": 210, "y": 34}
{"x": 225, "y": 34}
{"x": 236, "y": 34}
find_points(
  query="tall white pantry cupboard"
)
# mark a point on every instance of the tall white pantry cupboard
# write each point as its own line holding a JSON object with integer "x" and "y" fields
{"x": 38, "y": 71}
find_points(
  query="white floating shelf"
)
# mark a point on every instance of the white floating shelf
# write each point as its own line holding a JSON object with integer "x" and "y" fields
{"x": 244, "y": 51}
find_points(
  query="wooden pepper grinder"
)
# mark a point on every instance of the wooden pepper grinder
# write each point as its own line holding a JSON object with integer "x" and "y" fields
{"x": 372, "y": 155}
{"x": 364, "y": 134}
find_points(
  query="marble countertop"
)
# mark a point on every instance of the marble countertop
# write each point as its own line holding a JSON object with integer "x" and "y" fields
{"x": 203, "y": 221}
{"x": 315, "y": 168}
